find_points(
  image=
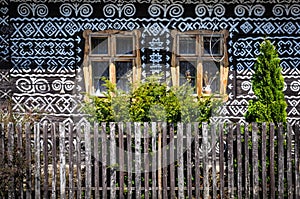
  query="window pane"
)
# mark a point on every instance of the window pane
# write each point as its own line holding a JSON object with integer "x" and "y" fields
{"x": 187, "y": 45}
{"x": 188, "y": 72}
{"x": 100, "y": 70}
{"x": 212, "y": 45}
{"x": 124, "y": 75}
{"x": 99, "y": 45}
{"x": 211, "y": 76}
{"x": 124, "y": 45}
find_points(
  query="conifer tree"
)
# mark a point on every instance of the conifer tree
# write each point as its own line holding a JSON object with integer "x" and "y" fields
{"x": 267, "y": 84}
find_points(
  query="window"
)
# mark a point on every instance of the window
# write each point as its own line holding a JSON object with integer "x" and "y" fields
{"x": 200, "y": 58}
{"x": 113, "y": 55}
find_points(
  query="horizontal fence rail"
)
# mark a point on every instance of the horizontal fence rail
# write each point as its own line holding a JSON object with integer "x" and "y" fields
{"x": 149, "y": 160}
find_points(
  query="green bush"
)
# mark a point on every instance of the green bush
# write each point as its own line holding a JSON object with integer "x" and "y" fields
{"x": 151, "y": 101}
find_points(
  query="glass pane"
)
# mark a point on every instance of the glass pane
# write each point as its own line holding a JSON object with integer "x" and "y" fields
{"x": 99, "y": 45}
{"x": 124, "y": 45}
{"x": 124, "y": 75}
{"x": 100, "y": 70}
{"x": 188, "y": 72}
{"x": 212, "y": 45}
{"x": 187, "y": 45}
{"x": 211, "y": 77}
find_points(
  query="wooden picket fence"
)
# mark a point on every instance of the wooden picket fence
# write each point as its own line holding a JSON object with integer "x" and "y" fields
{"x": 149, "y": 160}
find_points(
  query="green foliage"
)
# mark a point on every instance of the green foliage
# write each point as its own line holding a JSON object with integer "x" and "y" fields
{"x": 267, "y": 85}
{"x": 150, "y": 101}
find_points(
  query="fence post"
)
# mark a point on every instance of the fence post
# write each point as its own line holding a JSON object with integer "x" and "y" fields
{"x": 62, "y": 160}
{"x": 37, "y": 146}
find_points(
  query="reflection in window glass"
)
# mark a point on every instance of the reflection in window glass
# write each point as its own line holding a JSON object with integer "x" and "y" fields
{"x": 99, "y": 45}
{"x": 188, "y": 72}
{"x": 100, "y": 70}
{"x": 212, "y": 45}
{"x": 124, "y": 45}
{"x": 187, "y": 45}
{"x": 211, "y": 76}
{"x": 124, "y": 75}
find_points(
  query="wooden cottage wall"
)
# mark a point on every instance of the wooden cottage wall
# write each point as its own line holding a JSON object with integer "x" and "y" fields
{"x": 42, "y": 46}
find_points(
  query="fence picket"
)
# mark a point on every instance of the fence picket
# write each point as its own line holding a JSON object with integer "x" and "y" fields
{"x": 159, "y": 164}
{"x": 37, "y": 146}
{"x": 263, "y": 159}
{"x": 88, "y": 163}
{"x": 230, "y": 162}
{"x": 121, "y": 159}
{"x": 20, "y": 149}
{"x": 71, "y": 161}
{"x": 246, "y": 154}
{"x": 10, "y": 153}
{"x": 2, "y": 143}
{"x": 154, "y": 159}
{"x": 297, "y": 162}
{"x": 214, "y": 161}
{"x": 239, "y": 161}
{"x": 137, "y": 138}
{"x": 180, "y": 161}
{"x": 255, "y": 172}
{"x": 96, "y": 159}
{"x": 280, "y": 162}
{"x": 62, "y": 160}
{"x": 113, "y": 160}
{"x": 189, "y": 158}
{"x": 146, "y": 159}
{"x": 78, "y": 161}
{"x": 45, "y": 158}
{"x": 129, "y": 160}
{"x": 272, "y": 159}
{"x": 54, "y": 160}
{"x": 104, "y": 160}
{"x": 289, "y": 162}
{"x": 221, "y": 157}
{"x": 172, "y": 159}
{"x": 164, "y": 160}
{"x": 197, "y": 159}
{"x": 28, "y": 158}
{"x": 205, "y": 159}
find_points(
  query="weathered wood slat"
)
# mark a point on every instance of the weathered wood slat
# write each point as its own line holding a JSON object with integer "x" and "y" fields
{"x": 164, "y": 160}
{"x": 10, "y": 154}
{"x": 54, "y": 160}
{"x": 88, "y": 161}
{"x": 180, "y": 161}
{"x": 197, "y": 160}
{"x": 137, "y": 136}
{"x": 78, "y": 160}
{"x": 230, "y": 162}
{"x": 246, "y": 154}
{"x": 45, "y": 159}
{"x": 97, "y": 160}
{"x": 289, "y": 162}
{"x": 280, "y": 162}
{"x": 37, "y": 151}
{"x": 255, "y": 172}
{"x": 154, "y": 159}
{"x": 272, "y": 159}
{"x": 129, "y": 160}
{"x": 172, "y": 159}
{"x": 121, "y": 159}
{"x": 62, "y": 160}
{"x": 214, "y": 161}
{"x": 263, "y": 159}
{"x": 28, "y": 158}
{"x": 221, "y": 162}
{"x": 189, "y": 159}
{"x": 146, "y": 159}
{"x": 20, "y": 151}
{"x": 71, "y": 162}
{"x": 104, "y": 160}
{"x": 297, "y": 162}
{"x": 205, "y": 159}
{"x": 159, "y": 159}
{"x": 239, "y": 161}
{"x": 113, "y": 160}
{"x": 2, "y": 143}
